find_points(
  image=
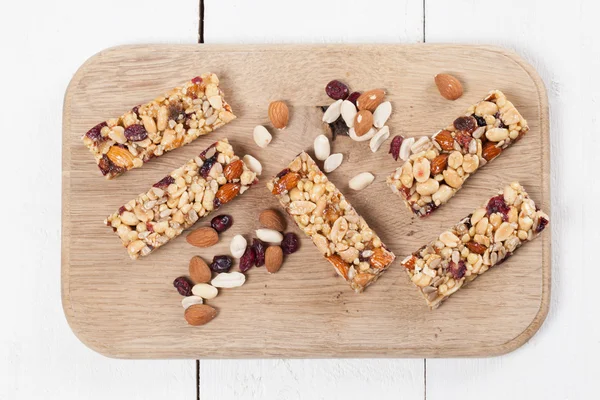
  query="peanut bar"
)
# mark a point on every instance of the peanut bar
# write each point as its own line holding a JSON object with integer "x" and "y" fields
{"x": 438, "y": 166}
{"x": 322, "y": 212}
{"x": 177, "y": 201}
{"x": 164, "y": 124}
{"x": 480, "y": 241}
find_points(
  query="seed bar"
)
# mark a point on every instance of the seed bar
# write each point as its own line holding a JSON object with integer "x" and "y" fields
{"x": 168, "y": 122}
{"x": 322, "y": 212}
{"x": 177, "y": 201}
{"x": 480, "y": 241}
{"x": 438, "y": 166}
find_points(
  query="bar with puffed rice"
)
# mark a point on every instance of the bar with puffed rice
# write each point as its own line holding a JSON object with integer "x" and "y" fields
{"x": 215, "y": 177}
{"x": 321, "y": 212}
{"x": 436, "y": 167}
{"x": 166, "y": 123}
{"x": 484, "y": 239}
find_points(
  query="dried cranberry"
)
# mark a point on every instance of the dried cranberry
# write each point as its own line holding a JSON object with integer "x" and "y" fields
{"x": 149, "y": 227}
{"x": 498, "y": 205}
{"x": 197, "y": 80}
{"x": 221, "y": 264}
{"x": 205, "y": 152}
{"x": 206, "y": 167}
{"x": 353, "y": 97}
{"x": 108, "y": 167}
{"x": 247, "y": 260}
{"x": 463, "y": 139}
{"x": 183, "y": 286}
{"x": 135, "y": 109}
{"x": 217, "y": 203}
{"x": 542, "y": 222}
{"x": 94, "y": 133}
{"x": 221, "y": 223}
{"x": 337, "y": 90}
{"x": 164, "y": 182}
{"x": 468, "y": 124}
{"x": 282, "y": 173}
{"x": 259, "y": 248}
{"x": 480, "y": 120}
{"x": 457, "y": 270}
{"x": 290, "y": 243}
{"x": 395, "y": 146}
{"x": 122, "y": 209}
{"x": 136, "y": 133}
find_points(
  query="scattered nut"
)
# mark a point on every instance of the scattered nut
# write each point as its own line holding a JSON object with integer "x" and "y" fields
{"x": 381, "y": 114}
{"x": 269, "y": 236}
{"x": 333, "y": 112}
{"x": 321, "y": 147}
{"x": 272, "y": 219}
{"x": 450, "y": 88}
{"x": 273, "y": 259}
{"x": 370, "y": 100}
{"x": 405, "y": 148}
{"x": 203, "y": 237}
{"x": 365, "y": 137}
{"x": 348, "y": 111}
{"x": 361, "y": 181}
{"x": 199, "y": 314}
{"x": 332, "y": 162}
{"x": 205, "y": 291}
{"x": 228, "y": 280}
{"x": 379, "y": 138}
{"x": 279, "y": 114}
{"x": 237, "y": 247}
{"x": 199, "y": 270}
{"x": 253, "y": 164}
{"x": 189, "y": 301}
{"x": 363, "y": 122}
{"x": 262, "y": 137}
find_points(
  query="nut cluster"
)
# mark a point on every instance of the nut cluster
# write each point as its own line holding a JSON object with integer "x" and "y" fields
{"x": 436, "y": 167}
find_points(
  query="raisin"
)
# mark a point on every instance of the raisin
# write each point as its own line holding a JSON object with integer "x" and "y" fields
{"x": 498, "y": 205}
{"x": 259, "y": 248}
{"x": 362, "y": 258}
{"x": 337, "y": 90}
{"x": 542, "y": 222}
{"x": 206, "y": 167}
{"x": 457, "y": 270}
{"x": 395, "y": 146}
{"x": 176, "y": 112}
{"x": 467, "y": 221}
{"x": 164, "y": 182}
{"x": 502, "y": 124}
{"x": 480, "y": 120}
{"x": 290, "y": 243}
{"x": 122, "y": 209}
{"x": 135, "y": 110}
{"x": 468, "y": 124}
{"x": 338, "y": 127}
{"x": 94, "y": 133}
{"x": 106, "y": 166}
{"x": 221, "y": 223}
{"x": 247, "y": 260}
{"x": 183, "y": 286}
{"x": 353, "y": 97}
{"x": 136, "y": 133}
{"x": 221, "y": 264}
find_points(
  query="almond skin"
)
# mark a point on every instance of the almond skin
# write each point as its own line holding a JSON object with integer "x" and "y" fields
{"x": 203, "y": 237}
{"x": 490, "y": 151}
{"x": 233, "y": 170}
{"x": 120, "y": 157}
{"x": 445, "y": 140}
{"x": 227, "y": 192}
{"x": 199, "y": 270}
{"x": 439, "y": 163}
{"x": 273, "y": 259}
{"x": 279, "y": 114}
{"x": 450, "y": 88}
{"x": 363, "y": 122}
{"x": 199, "y": 314}
{"x": 370, "y": 99}
{"x": 340, "y": 265}
{"x": 272, "y": 219}
{"x": 381, "y": 258}
{"x": 286, "y": 183}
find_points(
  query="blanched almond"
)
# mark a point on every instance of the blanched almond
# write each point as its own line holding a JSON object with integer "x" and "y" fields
{"x": 261, "y": 136}
{"x": 321, "y": 147}
{"x": 348, "y": 111}
{"x": 381, "y": 114}
{"x": 333, "y": 112}
{"x": 361, "y": 181}
{"x": 379, "y": 138}
{"x": 332, "y": 162}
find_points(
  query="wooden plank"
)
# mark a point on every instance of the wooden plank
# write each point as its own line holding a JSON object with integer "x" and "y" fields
{"x": 304, "y": 310}
{"x": 563, "y": 45}
{"x": 40, "y": 357}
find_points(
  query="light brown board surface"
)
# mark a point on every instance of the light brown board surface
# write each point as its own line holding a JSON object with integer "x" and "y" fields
{"x": 129, "y": 309}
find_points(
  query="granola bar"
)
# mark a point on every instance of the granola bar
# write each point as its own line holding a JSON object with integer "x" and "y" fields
{"x": 177, "y": 201}
{"x": 168, "y": 122}
{"x": 438, "y": 166}
{"x": 322, "y": 212}
{"x": 478, "y": 242}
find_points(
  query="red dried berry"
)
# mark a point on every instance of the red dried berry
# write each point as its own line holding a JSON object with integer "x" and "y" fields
{"x": 395, "y": 146}
{"x": 290, "y": 243}
{"x": 353, "y": 97}
{"x": 259, "y": 248}
{"x": 135, "y": 109}
{"x": 183, "y": 286}
{"x": 94, "y": 133}
{"x": 149, "y": 227}
{"x": 197, "y": 80}
{"x": 463, "y": 139}
{"x": 164, "y": 182}
{"x": 336, "y": 90}
{"x": 457, "y": 270}
{"x": 221, "y": 223}
{"x": 247, "y": 260}
{"x": 480, "y": 120}
{"x": 498, "y": 205}
{"x": 468, "y": 124}
{"x": 107, "y": 166}
{"x": 221, "y": 264}
{"x": 206, "y": 167}
{"x": 122, "y": 209}
{"x": 542, "y": 222}
{"x": 136, "y": 133}
{"x": 176, "y": 112}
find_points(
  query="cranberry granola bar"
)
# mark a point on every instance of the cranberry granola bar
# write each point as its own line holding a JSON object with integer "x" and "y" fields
{"x": 177, "y": 201}
{"x": 480, "y": 241}
{"x": 166, "y": 123}
{"x": 439, "y": 165}
{"x": 322, "y": 212}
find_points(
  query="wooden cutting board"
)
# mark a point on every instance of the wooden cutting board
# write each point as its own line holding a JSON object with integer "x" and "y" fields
{"x": 129, "y": 309}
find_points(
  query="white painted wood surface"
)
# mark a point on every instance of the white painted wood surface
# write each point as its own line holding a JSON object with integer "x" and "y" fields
{"x": 44, "y": 42}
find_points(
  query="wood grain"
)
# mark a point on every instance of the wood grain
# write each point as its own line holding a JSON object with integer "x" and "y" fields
{"x": 129, "y": 309}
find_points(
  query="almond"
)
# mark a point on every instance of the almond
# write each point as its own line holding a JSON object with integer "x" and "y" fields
{"x": 120, "y": 157}
{"x": 439, "y": 164}
{"x": 445, "y": 140}
{"x": 234, "y": 170}
{"x": 273, "y": 258}
{"x": 199, "y": 314}
{"x": 363, "y": 279}
{"x": 450, "y": 88}
{"x": 340, "y": 265}
{"x": 490, "y": 151}
{"x": 227, "y": 192}
{"x": 203, "y": 237}
{"x": 363, "y": 122}
{"x": 279, "y": 114}
{"x": 272, "y": 219}
{"x": 199, "y": 270}
{"x": 476, "y": 248}
{"x": 381, "y": 258}
{"x": 370, "y": 99}
{"x": 286, "y": 183}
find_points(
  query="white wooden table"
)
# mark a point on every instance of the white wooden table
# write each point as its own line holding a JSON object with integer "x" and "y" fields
{"x": 42, "y": 43}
